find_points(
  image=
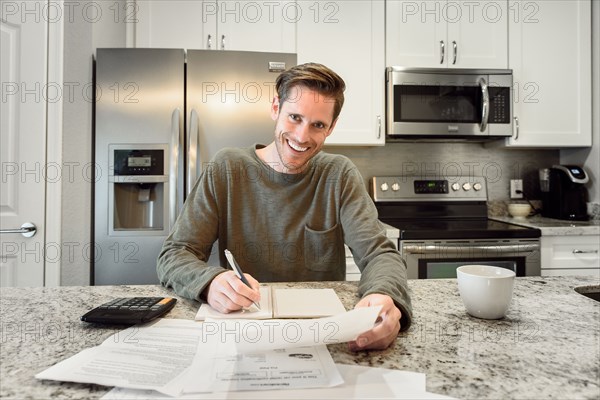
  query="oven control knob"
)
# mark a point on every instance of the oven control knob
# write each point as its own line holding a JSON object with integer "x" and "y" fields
{"x": 455, "y": 186}
{"x": 384, "y": 187}
{"x": 477, "y": 187}
{"x": 466, "y": 186}
{"x": 395, "y": 186}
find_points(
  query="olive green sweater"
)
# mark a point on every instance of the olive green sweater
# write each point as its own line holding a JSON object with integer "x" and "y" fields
{"x": 282, "y": 228}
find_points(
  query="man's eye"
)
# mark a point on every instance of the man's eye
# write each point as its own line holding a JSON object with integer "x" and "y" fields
{"x": 319, "y": 125}
{"x": 294, "y": 117}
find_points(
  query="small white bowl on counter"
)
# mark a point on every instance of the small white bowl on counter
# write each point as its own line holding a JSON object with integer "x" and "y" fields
{"x": 519, "y": 210}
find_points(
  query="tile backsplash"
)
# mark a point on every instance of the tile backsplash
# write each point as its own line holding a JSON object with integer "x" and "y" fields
{"x": 448, "y": 160}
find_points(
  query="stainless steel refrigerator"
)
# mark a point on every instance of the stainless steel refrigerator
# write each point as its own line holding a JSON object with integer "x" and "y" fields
{"x": 160, "y": 115}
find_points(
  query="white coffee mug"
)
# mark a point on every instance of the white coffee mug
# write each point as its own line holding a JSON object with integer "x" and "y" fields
{"x": 486, "y": 291}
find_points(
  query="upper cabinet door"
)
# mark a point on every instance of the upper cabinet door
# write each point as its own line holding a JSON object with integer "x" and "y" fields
{"x": 348, "y": 37}
{"x": 477, "y": 34}
{"x": 185, "y": 24}
{"x": 416, "y": 35}
{"x": 217, "y": 25}
{"x": 257, "y": 26}
{"x": 550, "y": 54}
{"x": 447, "y": 34}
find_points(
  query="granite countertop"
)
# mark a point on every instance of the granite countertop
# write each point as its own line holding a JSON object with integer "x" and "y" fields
{"x": 555, "y": 227}
{"x": 546, "y": 347}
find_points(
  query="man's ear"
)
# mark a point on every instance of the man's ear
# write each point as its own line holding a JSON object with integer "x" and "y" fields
{"x": 275, "y": 108}
{"x": 331, "y": 127}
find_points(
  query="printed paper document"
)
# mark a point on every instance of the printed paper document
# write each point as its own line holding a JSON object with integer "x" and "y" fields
{"x": 359, "y": 383}
{"x": 169, "y": 355}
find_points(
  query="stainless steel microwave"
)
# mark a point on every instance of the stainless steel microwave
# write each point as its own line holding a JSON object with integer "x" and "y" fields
{"x": 448, "y": 103}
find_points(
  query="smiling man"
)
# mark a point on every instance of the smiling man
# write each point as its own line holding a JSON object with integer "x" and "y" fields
{"x": 285, "y": 211}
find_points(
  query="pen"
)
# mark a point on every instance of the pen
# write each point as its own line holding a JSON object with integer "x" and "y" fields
{"x": 238, "y": 271}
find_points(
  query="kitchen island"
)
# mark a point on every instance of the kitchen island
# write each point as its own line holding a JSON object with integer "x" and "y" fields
{"x": 547, "y": 347}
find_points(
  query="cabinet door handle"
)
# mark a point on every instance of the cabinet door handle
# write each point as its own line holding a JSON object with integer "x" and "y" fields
{"x": 28, "y": 229}
{"x": 379, "y": 127}
{"x": 442, "y": 51}
{"x": 516, "y": 129}
{"x": 222, "y": 42}
{"x": 585, "y": 251}
{"x": 209, "y": 42}
{"x": 455, "y": 50}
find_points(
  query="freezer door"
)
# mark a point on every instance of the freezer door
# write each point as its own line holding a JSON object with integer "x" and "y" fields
{"x": 139, "y": 105}
{"x": 228, "y": 102}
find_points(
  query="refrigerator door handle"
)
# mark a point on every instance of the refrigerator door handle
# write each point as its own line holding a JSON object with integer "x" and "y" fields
{"x": 175, "y": 177}
{"x": 192, "y": 152}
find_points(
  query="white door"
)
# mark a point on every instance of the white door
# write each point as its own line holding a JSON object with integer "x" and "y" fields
{"x": 350, "y": 35}
{"x": 23, "y": 116}
{"x": 416, "y": 34}
{"x": 478, "y": 34}
{"x": 258, "y": 26}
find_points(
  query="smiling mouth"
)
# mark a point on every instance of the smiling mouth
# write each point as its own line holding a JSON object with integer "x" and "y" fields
{"x": 296, "y": 147}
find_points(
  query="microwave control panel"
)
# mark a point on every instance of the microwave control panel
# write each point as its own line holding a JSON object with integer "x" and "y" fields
{"x": 499, "y": 105}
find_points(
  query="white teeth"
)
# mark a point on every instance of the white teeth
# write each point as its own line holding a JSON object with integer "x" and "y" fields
{"x": 296, "y": 147}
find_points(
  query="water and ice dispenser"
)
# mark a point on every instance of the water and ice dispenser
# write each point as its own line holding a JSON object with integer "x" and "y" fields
{"x": 138, "y": 190}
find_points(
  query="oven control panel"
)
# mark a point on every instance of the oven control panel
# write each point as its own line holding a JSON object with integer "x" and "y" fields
{"x": 417, "y": 188}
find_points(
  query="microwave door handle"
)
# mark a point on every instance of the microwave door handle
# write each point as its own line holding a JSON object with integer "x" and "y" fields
{"x": 485, "y": 104}
{"x": 192, "y": 152}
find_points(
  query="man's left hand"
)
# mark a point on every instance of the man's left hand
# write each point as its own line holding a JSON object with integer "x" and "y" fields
{"x": 386, "y": 328}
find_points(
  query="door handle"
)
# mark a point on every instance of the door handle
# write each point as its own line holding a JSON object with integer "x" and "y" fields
{"x": 175, "y": 176}
{"x": 576, "y": 251}
{"x": 455, "y": 50}
{"x": 28, "y": 229}
{"x": 193, "y": 158}
{"x": 442, "y": 51}
{"x": 485, "y": 104}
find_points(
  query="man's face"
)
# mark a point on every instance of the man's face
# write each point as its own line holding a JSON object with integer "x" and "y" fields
{"x": 303, "y": 122}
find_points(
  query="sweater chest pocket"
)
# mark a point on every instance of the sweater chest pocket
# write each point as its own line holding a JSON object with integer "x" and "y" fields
{"x": 324, "y": 250}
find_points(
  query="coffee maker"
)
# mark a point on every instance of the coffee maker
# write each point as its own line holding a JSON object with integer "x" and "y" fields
{"x": 564, "y": 195}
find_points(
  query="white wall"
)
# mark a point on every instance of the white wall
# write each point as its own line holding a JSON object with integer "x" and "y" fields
{"x": 87, "y": 25}
{"x": 589, "y": 158}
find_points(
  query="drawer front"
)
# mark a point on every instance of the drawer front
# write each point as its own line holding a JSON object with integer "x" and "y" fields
{"x": 570, "y": 252}
{"x": 572, "y": 272}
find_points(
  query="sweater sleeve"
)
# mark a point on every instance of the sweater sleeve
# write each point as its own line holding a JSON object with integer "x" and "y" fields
{"x": 182, "y": 262}
{"x": 382, "y": 268}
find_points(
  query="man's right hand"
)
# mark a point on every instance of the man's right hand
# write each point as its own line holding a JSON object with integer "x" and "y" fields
{"x": 227, "y": 293}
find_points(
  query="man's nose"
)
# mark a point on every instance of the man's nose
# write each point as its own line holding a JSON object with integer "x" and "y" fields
{"x": 303, "y": 133}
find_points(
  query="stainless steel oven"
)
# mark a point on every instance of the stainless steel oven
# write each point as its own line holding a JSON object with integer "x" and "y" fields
{"x": 455, "y": 103}
{"x": 429, "y": 259}
{"x": 444, "y": 224}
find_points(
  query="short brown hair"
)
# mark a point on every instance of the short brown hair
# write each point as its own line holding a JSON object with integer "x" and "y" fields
{"x": 315, "y": 77}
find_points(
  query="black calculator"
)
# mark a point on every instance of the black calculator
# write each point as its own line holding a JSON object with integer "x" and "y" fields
{"x": 130, "y": 310}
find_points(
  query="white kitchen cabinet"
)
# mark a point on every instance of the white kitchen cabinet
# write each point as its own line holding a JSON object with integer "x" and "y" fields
{"x": 223, "y": 25}
{"x": 453, "y": 34}
{"x": 570, "y": 255}
{"x": 550, "y": 55}
{"x": 348, "y": 36}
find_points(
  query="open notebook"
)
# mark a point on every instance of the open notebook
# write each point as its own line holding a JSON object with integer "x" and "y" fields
{"x": 284, "y": 303}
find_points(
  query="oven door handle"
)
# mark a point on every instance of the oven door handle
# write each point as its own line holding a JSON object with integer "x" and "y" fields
{"x": 449, "y": 249}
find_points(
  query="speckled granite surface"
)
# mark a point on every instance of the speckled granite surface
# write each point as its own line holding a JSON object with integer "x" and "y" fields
{"x": 548, "y": 346}
{"x": 556, "y": 227}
